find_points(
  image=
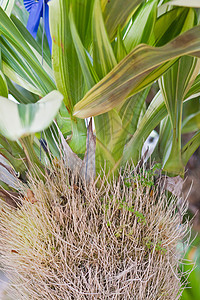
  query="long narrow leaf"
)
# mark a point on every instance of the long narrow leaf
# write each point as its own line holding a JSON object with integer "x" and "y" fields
{"x": 67, "y": 70}
{"x": 191, "y": 123}
{"x": 88, "y": 71}
{"x": 174, "y": 86}
{"x": 12, "y": 34}
{"x": 194, "y": 90}
{"x": 36, "y": 47}
{"x": 7, "y": 6}
{"x": 190, "y": 147}
{"x": 191, "y": 3}
{"x": 171, "y": 24}
{"x": 165, "y": 138}
{"x": 3, "y": 85}
{"x": 82, "y": 12}
{"x": 17, "y": 69}
{"x": 20, "y": 94}
{"x": 117, "y": 13}
{"x": 142, "y": 27}
{"x": 131, "y": 110}
{"x": 119, "y": 47}
{"x": 124, "y": 79}
{"x": 111, "y": 137}
{"x": 154, "y": 114}
{"x": 10, "y": 73}
{"x": 103, "y": 55}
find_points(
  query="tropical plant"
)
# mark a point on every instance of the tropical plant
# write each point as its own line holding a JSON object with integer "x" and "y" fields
{"x": 105, "y": 57}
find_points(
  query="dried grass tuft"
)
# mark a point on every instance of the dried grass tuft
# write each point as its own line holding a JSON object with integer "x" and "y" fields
{"x": 111, "y": 240}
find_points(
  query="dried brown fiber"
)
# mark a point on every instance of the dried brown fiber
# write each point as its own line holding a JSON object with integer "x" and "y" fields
{"x": 112, "y": 240}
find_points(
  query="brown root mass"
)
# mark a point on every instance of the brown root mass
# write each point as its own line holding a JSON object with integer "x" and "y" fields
{"x": 111, "y": 240}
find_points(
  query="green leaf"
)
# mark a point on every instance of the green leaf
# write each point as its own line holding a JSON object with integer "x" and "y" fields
{"x": 7, "y": 6}
{"x": 88, "y": 71}
{"x": 111, "y": 137}
{"x": 67, "y": 70}
{"x": 108, "y": 126}
{"x": 3, "y": 85}
{"x": 130, "y": 111}
{"x": 35, "y": 46}
{"x": 64, "y": 121}
{"x": 191, "y": 3}
{"x": 154, "y": 114}
{"x": 194, "y": 90}
{"x": 119, "y": 47}
{"x": 12, "y": 34}
{"x": 190, "y": 147}
{"x": 40, "y": 53}
{"x": 12, "y": 75}
{"x": 171, "y": 24}
{"x": 124, "y": 79}
{"x": 142, "y": 27}
{"x": 103, "y": 56}
{"x": 117, "y": 13}
{"x": 17, "y": 69}
{"x": 20, "y": 94}
{"x": 17, "y": 120}
{"x": 174, "y": 86}
{"x": 165, "y": 138}
{"x": 13, "y": 153}
{"x": 82, "y": 12}
{"x": 191, "y": 123}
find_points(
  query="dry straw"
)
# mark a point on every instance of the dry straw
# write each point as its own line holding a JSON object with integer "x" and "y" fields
{"x": 112, "y": 240}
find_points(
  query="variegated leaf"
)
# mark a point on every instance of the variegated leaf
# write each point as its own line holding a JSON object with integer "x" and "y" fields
{"x": 135, "y": 72}
{"x": 18, "y": 120}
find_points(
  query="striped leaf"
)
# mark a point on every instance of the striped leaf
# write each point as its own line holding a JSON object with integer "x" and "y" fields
{"x": 165, "y": 138}
{"x": 191, "y": 123}
{"x": 16, "y": 68}
{"x": 18, "y": 120}
{"x": 3, "y": 85}
{"x": 154, "y": 114}
{"x": 16, "y": 39}
{"x": 7, "y": 6}
{"x": 171, "y": 24}
{"x": 135, "y": 72}
{"x": 174, "y": 86}
{"x": 117, "y": 13}
{"x": 88, "y": 70}
{"x": 82, "y": 13}
{"x": 130, "y": 111}
{"x": 190, "y": 147}
{"x": 194, "y": 90}
{"x": 111, "y": 138}
{"x": 103, "y": 55}
{"x": 14, "y": 153}
{"x": 142, "y": 26}
{"x": 190, "y": 3}
{"x": 119, "y": 47}
{"x": 67, "y": 69}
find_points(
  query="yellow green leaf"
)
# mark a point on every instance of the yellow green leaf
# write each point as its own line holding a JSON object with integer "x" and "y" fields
{"x": 124, "y": 80}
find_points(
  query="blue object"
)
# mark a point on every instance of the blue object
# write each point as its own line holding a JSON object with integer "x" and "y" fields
{"x": 37, "y": 10}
